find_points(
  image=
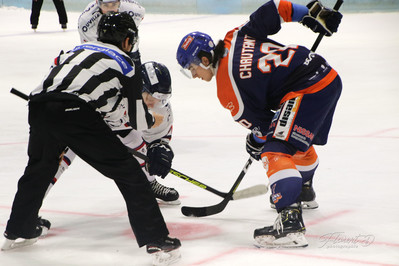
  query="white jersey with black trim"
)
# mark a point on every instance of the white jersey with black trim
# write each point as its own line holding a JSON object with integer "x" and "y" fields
{"x": 164, "y": 130}
{"x": 98, "y": 73}
{"x": 89, "y": 19}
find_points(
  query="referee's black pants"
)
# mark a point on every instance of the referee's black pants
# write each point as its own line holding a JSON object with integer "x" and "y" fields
{"x": 37, "y": 6}
{"x": 55, "y": 125}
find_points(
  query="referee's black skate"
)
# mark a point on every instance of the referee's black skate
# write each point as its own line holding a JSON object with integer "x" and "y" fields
{"x": 165, "y": 251}
{"x": 44, "y": 224}
{"x": 307, "y": 197}
{"x": 288, "y": 231}
{"x": 13, "y": 241}
{"x": 168, "y": 195}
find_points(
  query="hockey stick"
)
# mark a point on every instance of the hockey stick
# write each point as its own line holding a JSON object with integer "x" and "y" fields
{"x": 242, "y": 194}
{"x": 19, "y": 93}
{"x": 214, "y": 209}
{"x": 321, "y": 35}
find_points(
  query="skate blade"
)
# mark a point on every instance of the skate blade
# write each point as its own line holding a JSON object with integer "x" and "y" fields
{"x": 163, "y": 258}
{"x": 44, "y": 232}
{"x": 168, "y": 203}
{"x": 309, "y": 204}
{"x": 306, "y": 205}
{"x": 12, "y": 244}
{"x": 293, "y": 240}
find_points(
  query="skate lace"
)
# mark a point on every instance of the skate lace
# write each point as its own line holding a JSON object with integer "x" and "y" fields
{"x": 278, "y": 224}
{"x": 160, "y": 189}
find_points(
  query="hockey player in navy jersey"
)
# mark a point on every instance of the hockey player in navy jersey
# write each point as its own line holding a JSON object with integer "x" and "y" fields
{"x": 286, "y": 96}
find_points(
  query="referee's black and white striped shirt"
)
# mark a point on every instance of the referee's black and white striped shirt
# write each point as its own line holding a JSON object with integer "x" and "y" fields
{"x": 103, "y": 76}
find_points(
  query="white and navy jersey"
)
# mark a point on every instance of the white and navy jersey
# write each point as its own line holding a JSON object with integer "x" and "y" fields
{"x": 89, "y": 19}
{"x": 164, "y": 130}
{"x": 103, "y": 76}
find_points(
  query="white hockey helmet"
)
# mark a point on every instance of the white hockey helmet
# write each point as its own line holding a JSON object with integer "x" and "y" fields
{"x": 106, "y": 1}
{"x": 101, "y": 2}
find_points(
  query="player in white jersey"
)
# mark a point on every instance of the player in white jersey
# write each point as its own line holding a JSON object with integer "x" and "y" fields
{"x": 157, "y": 91}
{"x": 88, "y": 22}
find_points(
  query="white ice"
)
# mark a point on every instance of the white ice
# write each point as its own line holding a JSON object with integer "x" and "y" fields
{"x": 356, "y": 183}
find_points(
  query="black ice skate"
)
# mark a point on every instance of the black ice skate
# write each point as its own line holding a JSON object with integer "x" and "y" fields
{"x": 44, "y": 224}
{"x": 307, "y": 197}
{"x": 165, "y": 251}
{"x": 168, "y": 195}
{"x": 13, "y": 241}
{"x": 288, "y": 230}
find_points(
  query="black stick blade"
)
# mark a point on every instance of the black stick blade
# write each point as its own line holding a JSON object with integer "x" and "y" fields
{"x": 205, "y": 211}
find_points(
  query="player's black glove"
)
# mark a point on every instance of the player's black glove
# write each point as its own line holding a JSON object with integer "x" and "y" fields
{"x": 254, "y": 148}
{"x": 321, "y": 19}
{"x": 160, "y": 156}
{"x": 136, "y": 57}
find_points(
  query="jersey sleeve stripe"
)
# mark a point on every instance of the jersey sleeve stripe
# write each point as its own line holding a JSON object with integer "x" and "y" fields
{"x": 284, "y": 9}
{"x": 228, "y": 93}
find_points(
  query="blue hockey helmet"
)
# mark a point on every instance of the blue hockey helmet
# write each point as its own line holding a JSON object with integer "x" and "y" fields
{"x": 157, "y": 81}
{"x": 191, "y": 45}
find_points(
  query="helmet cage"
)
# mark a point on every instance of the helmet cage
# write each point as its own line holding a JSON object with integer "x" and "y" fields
{"x": 100, "y": 2}
{"x": 163, "y": 99}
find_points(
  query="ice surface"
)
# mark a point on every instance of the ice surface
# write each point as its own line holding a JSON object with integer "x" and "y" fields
{"x": 356, "y": 183}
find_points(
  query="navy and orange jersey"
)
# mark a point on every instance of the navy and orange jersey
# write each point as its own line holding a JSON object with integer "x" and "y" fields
{"x": 257, "y": 74}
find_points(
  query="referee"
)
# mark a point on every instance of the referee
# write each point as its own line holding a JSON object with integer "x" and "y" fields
{"x": 91, "y": 83}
